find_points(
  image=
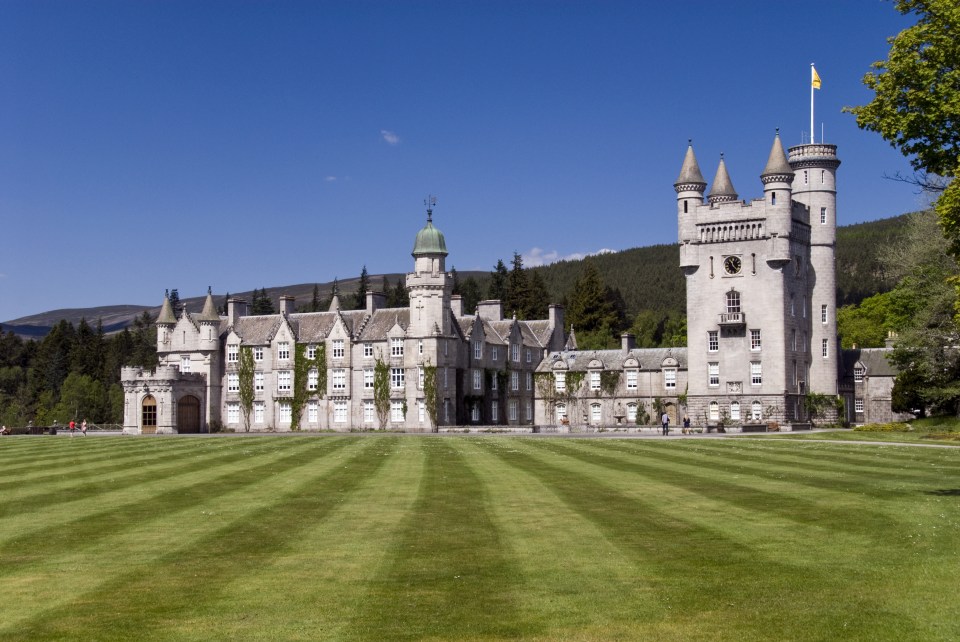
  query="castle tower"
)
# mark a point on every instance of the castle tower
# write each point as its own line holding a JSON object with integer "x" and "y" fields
{"x": 814, "y": 186}
{"x": 165, "y": 323}
{"x": 209, "y": 321}
{"x": 429, "y": 284}
{"x": 689, "y": 187}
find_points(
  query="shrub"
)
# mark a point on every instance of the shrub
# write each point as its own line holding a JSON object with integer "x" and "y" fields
{"x": 890, "y": 427}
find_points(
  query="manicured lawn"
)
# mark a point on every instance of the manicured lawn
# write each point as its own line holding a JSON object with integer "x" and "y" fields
{"x": 476, "y": 538}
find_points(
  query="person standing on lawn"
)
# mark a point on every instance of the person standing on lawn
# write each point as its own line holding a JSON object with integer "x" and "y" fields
{"x": 665, "y": 420}
{"x": 83, "y": 427}
{"x": 73, "y": 427}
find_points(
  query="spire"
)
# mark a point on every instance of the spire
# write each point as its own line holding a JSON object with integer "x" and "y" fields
{"x": 166, "y": 312}
{"x": 571, "y": 340}
{"x": 334, "y": 303}
{"x": 722, "y": 189}
{"x": 777, "y": 169}
{"x": 209, "y": 309}
{"x": 690, "y": 178}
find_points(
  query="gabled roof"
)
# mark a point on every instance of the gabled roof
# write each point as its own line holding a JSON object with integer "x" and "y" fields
{"x": 649, "y": 358}
{"x": 536, "y": 333}
{"x": 257, "y": 330}
{"x": 874, "y": 360}
{"x": 465, "y": 323}
{"x": 381, "y": 322}
{"x": 312, "y": 327}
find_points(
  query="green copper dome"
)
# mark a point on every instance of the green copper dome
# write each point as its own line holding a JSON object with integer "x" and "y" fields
{"x": 429, "y": 240}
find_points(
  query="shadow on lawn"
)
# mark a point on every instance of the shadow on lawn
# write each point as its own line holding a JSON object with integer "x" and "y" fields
{"x": 945, "y": 492}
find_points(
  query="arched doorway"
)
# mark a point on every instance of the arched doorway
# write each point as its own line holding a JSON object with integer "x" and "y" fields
{"x": 188, "y": 415}
{"x": 148, "y": 416}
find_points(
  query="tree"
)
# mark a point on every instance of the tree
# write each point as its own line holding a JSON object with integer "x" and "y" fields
{"x": 538, "y": 298}
{"x": 470, "y": 291}
{"x": 360, "y": 299}
{"x": 401, "y": 297}
{"x": 315, "y": 299}
{"x": 262, "y": 303}
{"x": 245, "y": 370}
{"x": 498, "y": 282}
{"x": 381, "y": 391}
{"x": 592, "y": 310}
{"x": 916, "y": 107}
{"x": 144, "y": 336}
{"x": 517, "y": 295}
{"x": 174, "y": 300}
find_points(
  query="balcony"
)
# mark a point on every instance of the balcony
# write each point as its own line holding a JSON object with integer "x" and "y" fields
{"x": 732, "y": 320}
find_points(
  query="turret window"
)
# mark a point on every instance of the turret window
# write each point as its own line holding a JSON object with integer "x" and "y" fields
{"x": 773, "y": 198}
{"x": 823, "y": 216}
{"x": 684, "y": 207}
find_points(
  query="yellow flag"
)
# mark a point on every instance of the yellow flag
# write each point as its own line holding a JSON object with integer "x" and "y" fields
{"x": 815, "y": 78}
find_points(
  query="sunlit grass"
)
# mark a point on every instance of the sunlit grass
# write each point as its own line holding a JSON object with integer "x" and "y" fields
{"x": 399, "y": 537}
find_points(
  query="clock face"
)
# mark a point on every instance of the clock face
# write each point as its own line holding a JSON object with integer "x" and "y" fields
{"x": 732, "y": 265}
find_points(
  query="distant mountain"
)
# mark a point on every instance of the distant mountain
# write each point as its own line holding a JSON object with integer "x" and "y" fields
{"x": 647, "y": 278}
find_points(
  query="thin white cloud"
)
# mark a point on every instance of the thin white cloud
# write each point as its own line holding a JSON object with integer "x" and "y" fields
{"x": 536, "y": 256}
{"x": 330, "y": 179}
{"x": 390, "y": 137}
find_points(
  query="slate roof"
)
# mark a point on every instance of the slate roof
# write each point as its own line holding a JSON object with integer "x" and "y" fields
{"x": 649, "y": 358}
{"x": 377, "y": 326}
{"x": 536, "y": 333}
{"x": 873, "y": 359}
{"x": 257, "y": 330}
{"x": 465, "y": 323}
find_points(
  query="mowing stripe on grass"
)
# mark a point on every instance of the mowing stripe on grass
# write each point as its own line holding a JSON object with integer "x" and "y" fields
{"x": 187, "y": 579}
{"x": 58, "y": 453}
{"x": 731, "y": 582}
{"x": 449, "y": 576}
{"x": 81, "y": 530}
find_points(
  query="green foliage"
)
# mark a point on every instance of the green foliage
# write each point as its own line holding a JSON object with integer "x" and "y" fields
{"x": 431, "y": 394}
{"x": 590, "y": 306}
{"x": 866, "y": 325}
{"x": 609, "y": 380}
{"x": 261, "y": 303}
{"x": 916, "y": 107}
{"x": 381, "y": 390}
{"x": 890, "y": 427}
{"x": 360, "y": 298}
{"x": 817, "y": 405}
{"x": 301, "y": 369}
{"x": 497, "y": 289}
{"x": 245, "y": 370}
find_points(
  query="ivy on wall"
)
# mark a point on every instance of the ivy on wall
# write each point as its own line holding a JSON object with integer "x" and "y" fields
{"x": 245, "y": 369}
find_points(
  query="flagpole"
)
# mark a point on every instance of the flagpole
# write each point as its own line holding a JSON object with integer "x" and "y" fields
{"x": 811, "y": 102}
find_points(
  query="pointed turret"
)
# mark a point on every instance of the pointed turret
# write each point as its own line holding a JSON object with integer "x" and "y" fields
{"x": 722, "y": 189}
{"x": 690, "y": 179}
{"x": 571, "y": 340}
{"x": 334, "y": 303}
{"x": 209, "y": 321}
{"x": 777, "y": 169}
{"x": 209, "y": 309}
{"x": 167, "y": 317}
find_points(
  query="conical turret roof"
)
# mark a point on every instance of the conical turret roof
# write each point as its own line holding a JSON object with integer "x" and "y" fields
{"x": 722, "y": 189}
{"x": 166, "y": 312}
{"x": 777, "y": 164}
{"x": 209, "y": 309}
{"x": 334, "y": 303}
{"x": 430, "y": 240}
{"x": 690, "y": 172}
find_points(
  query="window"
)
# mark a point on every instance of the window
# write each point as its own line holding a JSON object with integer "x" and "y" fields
{"x": 793, "y": 310}
{"x": 338, "y": 379}
{"x": 756, "y": 373}
{"x": 420, "y": 346}
{"x": 512, "y": 413}
{"x": 824, "y": 348}
{"x": 494, "y": 411}
{"x": 477, "y": 350}
{"x": 595, "y": 414}
{"x": 368, "y": 412}
{"x": 396, "y": 377}
{"x": 858, "y": 373}
{"x": 514, "y": 381}
{"x": 445, "y": 378}
{"x": 515, "y": 352}
{"x": 446, "y": 404}
{"x": 368, "y": 378}
{"x": 396, "y": 347}
{"x": 595, "y": 380}
{"x": 755, "y": 342}
{"x": 258, "y": 354}
{"x": 421, "y": 411}
{"x": 494, "y": 353}
{"x": 475, "y": 413}
{"x": 858, "y": 406}
{"x": 185, "y": 363}
{"x": 312, "y": 412}
{"x": 756, "y": 411}
{"x": 259, "y": 410}
{"x": 232, "y": 351}
{"x": 233, "y": 413}
{"x": 311, "y": 351}
{"x": 339, "y": 412}
{"x": 258, "y": 381}
{"x": 528, "y": 355}
{"x": 713, "y": 341}
{"x": 733, "y": 302}
{"x": 336, "y": 348}
{"x": 803, "y": 343}
{"x": 529, "y": 381}
{"x": 493, "y": 381}
{"x": 823, "y": 216}
{"x": 714, "y": 411}
{"x": 233, "y": 382}
{"x": 396, "y": 411}
{"x": 805, "y": 177}
{"x": 420, "y": 376}
{"x": 283, "y": 351}
{"x": 285, "y": 412}
{"x": 632, "y": 379}
{"x": 283, "y": 380}
{"x": 632, "y": 412}
{"x": 735, "y": 410}
{"x": 561, "y": 412}
{"x": 670, "y": 378}
{"x": 803, "y": 306}
{"x": 313, "y": 378}
{"x": 529, "y": 410}
{"x": 793, "y": 339}
{"x": 797, "y": 264}
{"x": 823, "y": 313}
{"x": 477, "y": 379}
{"x": 367, "y": 350}
{"x": 713, "y": 373}
{"x": 560, "y": 381}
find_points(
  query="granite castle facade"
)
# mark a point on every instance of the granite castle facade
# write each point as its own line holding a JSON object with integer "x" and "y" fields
{"x": 761, "y": 321}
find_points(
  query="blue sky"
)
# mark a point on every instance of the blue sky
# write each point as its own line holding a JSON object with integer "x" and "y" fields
{"x": 153, "y": 145}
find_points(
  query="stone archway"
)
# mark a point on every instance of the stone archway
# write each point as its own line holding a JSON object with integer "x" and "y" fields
{"x": 148, "y": 416}
{"x": 188, "y": 415}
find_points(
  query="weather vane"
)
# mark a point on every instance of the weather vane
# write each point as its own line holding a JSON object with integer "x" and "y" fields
{"x": 430, "y": 201}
